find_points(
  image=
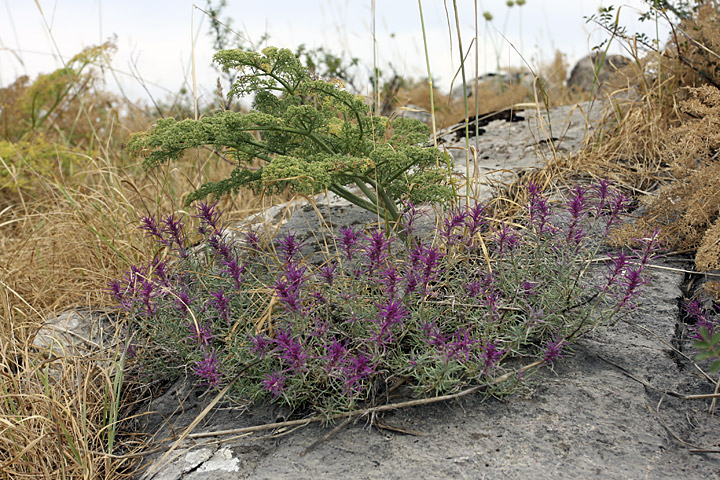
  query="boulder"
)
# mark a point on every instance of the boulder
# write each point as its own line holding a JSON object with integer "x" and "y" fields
{"x": 76, "y": 332}
{"x": 582, "y": 76}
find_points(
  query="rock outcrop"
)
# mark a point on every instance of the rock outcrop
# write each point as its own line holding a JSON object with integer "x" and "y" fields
{"x": 603, "y": 412}
{"x": 582, "y": 76}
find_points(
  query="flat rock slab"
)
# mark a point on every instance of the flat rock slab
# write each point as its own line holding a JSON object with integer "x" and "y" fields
{"x": 585, "y": 419}
{"x": 505, "y": 148}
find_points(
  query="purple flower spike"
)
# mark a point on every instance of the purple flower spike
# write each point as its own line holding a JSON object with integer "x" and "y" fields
{"x": 159, "y": 270}
{"x": 119, "y": 290}
{"x": 289, "y": 247}
{"x": 358, "y": 369}
{"x": 390, "y": 314}
{"x": 474, "y": 288}
{"x": 222, "y": 303}
{"x": 453, "y": 221}
{"x": 409, "y": 216}
{"x": 425, "y": 268}
{"x": 183, "y": 302}
{"x": 335, "y": 354}
{"x": 475, "y": 220}
{"x": 274, "y": 383}
{"x": 149, "y": 224}
{"x": 289, "y": 286}
{"x": 650, "y": 244}
{"x": 539, "y": 211}
{"x": 222, "y": 247}
{"x": 253, "y": 240}
{"x": 576, "y": 204}
{"x": 533, "y": 189}
{"x": 290, "y": 351}
{"x": 616, "y": 270}
{"x": 327, "y": 273}
{"x": 377, "y": 249}
{"x": 702, "y": 320}
{"x": 577, "y": 207}
{"x": 617, "y": 206}
{"x": 201, "y": 334}
{"x": 632, "y": 281}
{"x": 173, "y": 227}
{"x": 235, "y": 271}
{"x": 435, "y": 336}
{"x": 553, "y": 349}
{"x": 506, "y": 239}
{"x": 348, "y": 241}
{"x": 460, "y": 346}
{"x": 390, "y": 278}
{"x": 528, "y": 288}
{"x": 208, "y": 369}
{"x": 602, "y": 193}
{"x": 209, "y": 217}
{"x": 261, "y": 345}
{"x": 695, "y": 311}
{"x": 491, "y": 355}
{"x": 147, "y": 294}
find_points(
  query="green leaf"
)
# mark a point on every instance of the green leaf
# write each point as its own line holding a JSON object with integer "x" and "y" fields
{"x": 704, "y": 355}
{"x": 715, "y": 367}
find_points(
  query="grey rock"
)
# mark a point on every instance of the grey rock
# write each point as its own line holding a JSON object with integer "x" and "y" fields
{"x": 582, "y": 76}
{"x": 504, "y": 149}
{"x": 77, "y": 331}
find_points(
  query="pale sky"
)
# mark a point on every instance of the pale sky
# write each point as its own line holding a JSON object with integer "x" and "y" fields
{"x": 155, "y": 42}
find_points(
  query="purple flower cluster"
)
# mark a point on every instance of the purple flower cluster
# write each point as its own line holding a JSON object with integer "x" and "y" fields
{"x": 702, "y": 318}
{"x": 136, "y": 291}
{"x": 208, "y": 369}
{"x": 169, "y": 232}
{"x": 441, "y": 310}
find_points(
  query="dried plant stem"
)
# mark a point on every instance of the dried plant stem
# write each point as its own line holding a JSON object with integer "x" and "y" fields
{"x": 467, "y": 124}
{"x": 711, "y": 409}
{"x": 375, "y": 66}
{"x": 430, "y": 80}
{"x": 194, "y": 82}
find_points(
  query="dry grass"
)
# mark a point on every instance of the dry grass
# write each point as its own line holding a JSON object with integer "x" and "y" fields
{"x": 57, "y": 412}
{"x": 659, "y": 139}
{"x": 66, "y": 230}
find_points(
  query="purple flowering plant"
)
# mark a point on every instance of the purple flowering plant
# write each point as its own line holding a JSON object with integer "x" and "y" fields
{"x": 471, "y": 303}
{"x": 706, "y": 332}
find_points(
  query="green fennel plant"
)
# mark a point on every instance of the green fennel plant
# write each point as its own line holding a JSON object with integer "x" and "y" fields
{"x": 309, "y": 136}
